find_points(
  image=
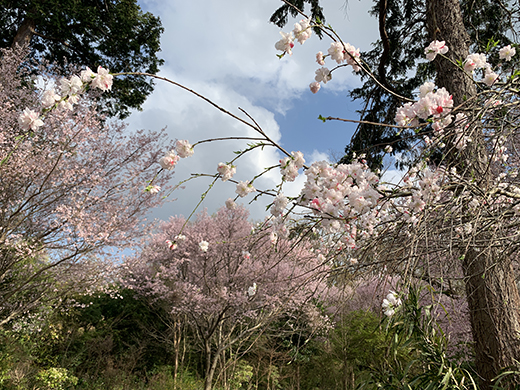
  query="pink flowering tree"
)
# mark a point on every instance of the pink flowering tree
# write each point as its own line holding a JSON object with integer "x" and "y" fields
{"x": 72, "y": 186}
{"x": 228, "y": 281}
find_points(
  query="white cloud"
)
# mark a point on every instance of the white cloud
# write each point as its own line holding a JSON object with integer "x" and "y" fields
{"x": 224, "y": 50}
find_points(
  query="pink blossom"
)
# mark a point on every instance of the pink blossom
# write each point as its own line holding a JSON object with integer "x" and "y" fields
{"x": 323, "y": 75}
{"x": 336, "y": 52}
{"x": 279, "y": 204}
{"x": 203, "y": 246}
{"x": 50, "y": 98}
{"x": 475, "y": 61}
{"x": 506, "y": 53}
{"x": 302, "y": 31}
{"x": 391, "y": 303}
{"x": 172, "y": 245}
{"x": 434, "y": 48}
{"x": 352, "y": 56}
{"x": 226, "y": 171}
{"x": 286, "y": 43}
{"x": 251, "y": 291}
{"x": 230, "y": 204}
{"x": 29, "y": 119}
{"x": 153, "y": 189}
{"x": 103, "y": 79}
{"x": 244, "y": 188}
{"x": 72, "y": 86}
{"x": 490, "y": 78}
{"x": 87, "y": 75}
{"x": 315, "y": 87}
{"x": 169, "y": 160}
{"x": 319, "y": 58}
{"x": 426, "y": 88}
{"x": 184, "y": 148}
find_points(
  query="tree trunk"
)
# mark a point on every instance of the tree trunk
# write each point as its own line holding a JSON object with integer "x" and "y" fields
{"x": 491, "y": 290}
{"x": 211, "y": 365}
{"x": 24, "y": 34}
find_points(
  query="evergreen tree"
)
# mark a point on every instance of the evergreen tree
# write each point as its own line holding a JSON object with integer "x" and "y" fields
{"x": 115, "y": 34}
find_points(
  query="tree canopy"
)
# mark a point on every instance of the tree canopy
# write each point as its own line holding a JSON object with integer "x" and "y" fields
{"x": 115, "y": 34}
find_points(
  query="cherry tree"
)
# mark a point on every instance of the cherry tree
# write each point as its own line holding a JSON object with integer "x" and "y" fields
{"x": 72, "y": 185}
{"x": 231, "y": 280}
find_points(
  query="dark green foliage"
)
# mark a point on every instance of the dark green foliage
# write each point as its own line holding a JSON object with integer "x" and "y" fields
{"x": 115, "y": 34}
{"x": 113, "y": 331}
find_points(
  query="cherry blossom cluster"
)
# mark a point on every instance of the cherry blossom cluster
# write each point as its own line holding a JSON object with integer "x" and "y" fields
{"x": 290, "y": 165}
{"x": 70, "y": 91}
{"x": 340, "y": 52}
{"x": 301, "y": 32}
{"x": 345, "y": 196}
{"x": 434, "y": 105}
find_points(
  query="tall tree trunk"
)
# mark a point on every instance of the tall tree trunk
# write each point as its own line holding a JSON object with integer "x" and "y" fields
{"x": 492, "y": 293}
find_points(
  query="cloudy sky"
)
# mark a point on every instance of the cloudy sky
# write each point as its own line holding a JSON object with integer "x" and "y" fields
{"x": 225, "y": 51}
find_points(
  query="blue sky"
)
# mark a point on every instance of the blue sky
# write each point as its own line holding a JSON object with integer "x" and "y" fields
{"x": 225, "y": 50}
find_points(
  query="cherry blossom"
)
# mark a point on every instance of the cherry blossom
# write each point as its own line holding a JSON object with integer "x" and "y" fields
{"x": 290, "y": 165}
{"x": 506, "y": 53}
{"x": 204, "y": 245}
{"x": 50, "y": 98}
{"x": 489, "y": 77}
{"x": 314, "y": 86}
{"x": 226, "y": 171}
{"x": 184, "y": 148}
{"x": 29, "y": 119}
{"x": 230, "y": 204}
{"x": 244, "y": 188}
{"x": 169, "y": 160}
{"x": 251, "y": 291}
{"x": 336, "y": 52}
{"x": 475, "y": 61}
{"x": 102, "y": 79}
{"x": 302, "y": 31}
{"x": 279, "y": 204}
{"x": 323, "y": 75}
{"x": 153, "y": 189}
{"x": 286, "y": 43}
{"x": 319, "y": 58}
{"x": 172, "y": 245}
{"x": 87, "y": 75}
{"x": 391, "y": 303}
{"x": 436, "y": 47}
{"x": 71, "y": 86}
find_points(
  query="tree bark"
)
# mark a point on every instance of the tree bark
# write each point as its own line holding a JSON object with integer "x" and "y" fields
{"x": 24, "y": 34}
{"x": 492, "y": 294}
